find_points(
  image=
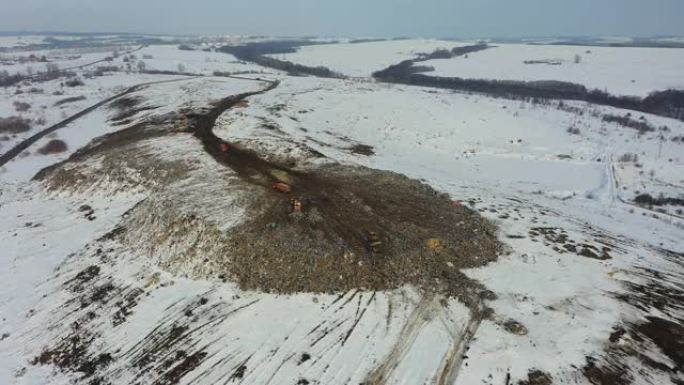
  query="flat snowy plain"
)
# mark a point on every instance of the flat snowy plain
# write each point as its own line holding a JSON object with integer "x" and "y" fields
{"x": 618, "y": 70}
{"x": 363, "y": 58}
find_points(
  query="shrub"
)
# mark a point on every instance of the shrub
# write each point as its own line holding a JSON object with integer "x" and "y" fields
{"x": 14, "y": 125}
{"x": 573, "y": 131}
{"x": 21, "y": 106}
{"x": 54, "y": 146}
{"x": 102, "y": 70}
{"x": 9, "y": 80}
{"x": 52, "y": 68}
{"x": 628, "y": 157}
{"x": 641, "y": 125}
{"x": 69, "y": 100}
{"x": 74, "y": 82}
{"x": 648, "y": 200}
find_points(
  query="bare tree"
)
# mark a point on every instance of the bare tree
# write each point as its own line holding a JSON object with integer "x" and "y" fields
{"x": 141, "y": 66}
{"x": 52, "y": 68}
{"x": 578, "y": 59}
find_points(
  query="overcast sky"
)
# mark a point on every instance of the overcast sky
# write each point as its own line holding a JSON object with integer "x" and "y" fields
{"x": 438, "y": 18}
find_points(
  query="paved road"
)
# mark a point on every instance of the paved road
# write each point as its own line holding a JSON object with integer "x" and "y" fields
{"x": 26, "y": 143}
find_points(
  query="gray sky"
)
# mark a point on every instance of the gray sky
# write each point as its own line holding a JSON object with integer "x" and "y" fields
{"x": 439, "y": 18}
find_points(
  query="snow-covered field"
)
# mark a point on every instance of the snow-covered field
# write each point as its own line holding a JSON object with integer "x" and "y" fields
{"x": 479, "y": 139}
{"x": 185, "y": 93}
{"x": 63, "y": 59}
{"x": 586, "y": 290}
{"x": 362, "y": 59}
{"x": 170, "y": 58}
{"x": 50, "y": 102}
{"x": 19, "y": 41}
{"x": 620, "y": 71}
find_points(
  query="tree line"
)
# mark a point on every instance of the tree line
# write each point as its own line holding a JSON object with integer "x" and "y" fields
{"x": 257, "y": 53}
{"x": 668, "y": 103}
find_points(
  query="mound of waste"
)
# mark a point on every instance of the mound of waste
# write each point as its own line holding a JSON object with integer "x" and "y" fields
{"x": 230, "y": 214}
{"x": 334, "y": 229}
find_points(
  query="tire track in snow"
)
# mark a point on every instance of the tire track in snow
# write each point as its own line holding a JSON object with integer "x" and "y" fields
{"x": 409, "y": 332}
{"x": 358, "y": 318}
{"x": 453, "y": 360}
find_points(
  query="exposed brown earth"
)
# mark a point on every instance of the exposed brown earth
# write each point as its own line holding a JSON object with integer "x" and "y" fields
{"x": 333, "y": 228}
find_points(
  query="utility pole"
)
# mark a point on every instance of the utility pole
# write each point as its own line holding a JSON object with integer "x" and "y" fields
{"x": 660, "y": 146}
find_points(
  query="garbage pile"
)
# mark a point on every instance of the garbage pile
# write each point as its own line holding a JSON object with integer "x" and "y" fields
{"x": 342, "y": 228}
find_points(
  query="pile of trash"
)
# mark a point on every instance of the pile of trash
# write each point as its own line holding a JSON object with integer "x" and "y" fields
{"x": 218, "y": 211}
{"x": 341, "y": 228}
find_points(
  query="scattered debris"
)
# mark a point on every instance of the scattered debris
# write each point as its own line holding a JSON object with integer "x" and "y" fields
{"x": 239, "y": 372}
{"x": 305, "y": 357}
{"x": 605, "y": 375}
{"x": 554, "y": 236}
{"x": 281, "y": 187}
{"x": 515, "y": 327}
{"x": 374, "y": 242}
{"x": 435, "y": 245}
{"x": 296, "y": 206}
{"x": 87, "y": 274}
{"x": 89, "y": 212}
{"x": 84, "y": 208}
{"x": 537, "y": 377}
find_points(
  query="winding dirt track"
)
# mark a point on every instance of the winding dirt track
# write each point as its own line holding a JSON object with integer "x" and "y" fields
{"x": 246, "y": 163}
{"x": 204, "y": 130}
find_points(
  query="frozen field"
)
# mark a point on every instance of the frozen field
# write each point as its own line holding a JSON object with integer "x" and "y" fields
{"x": 478, "y": 139}
{"x": 362, "y": 59}
{"x": 170, "y": 58}
{"x": 620, "y": 71}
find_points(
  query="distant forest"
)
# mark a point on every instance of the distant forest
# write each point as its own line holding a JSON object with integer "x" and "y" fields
{"x": 256, "y": 53}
